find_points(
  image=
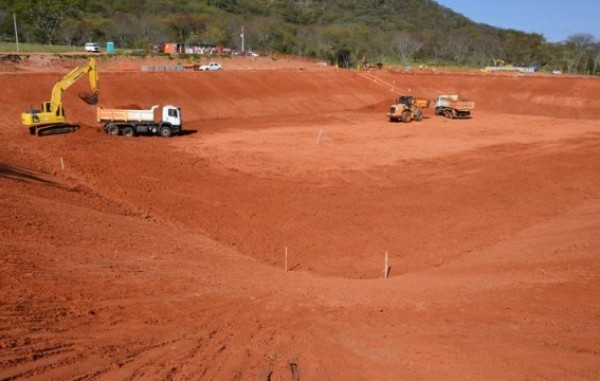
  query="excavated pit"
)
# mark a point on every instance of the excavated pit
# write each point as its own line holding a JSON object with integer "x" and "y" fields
{"x": 165, "y": 258}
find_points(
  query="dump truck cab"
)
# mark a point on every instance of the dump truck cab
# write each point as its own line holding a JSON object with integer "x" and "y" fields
{"x": 171, "y": 115}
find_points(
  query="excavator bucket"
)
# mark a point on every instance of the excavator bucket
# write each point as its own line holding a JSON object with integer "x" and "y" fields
{"x": 89, "y": 98}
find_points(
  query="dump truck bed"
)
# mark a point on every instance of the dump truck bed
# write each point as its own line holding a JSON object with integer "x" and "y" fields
{"x": 455, "y": 102}
{"x": 121, "y": 115}
{"x": 421, "y": 102}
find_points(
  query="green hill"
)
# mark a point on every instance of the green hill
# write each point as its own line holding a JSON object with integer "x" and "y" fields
{"x": 345, "y": 32}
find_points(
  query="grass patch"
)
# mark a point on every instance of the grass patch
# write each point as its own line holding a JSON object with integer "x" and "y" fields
{"x": 11, "y": 47}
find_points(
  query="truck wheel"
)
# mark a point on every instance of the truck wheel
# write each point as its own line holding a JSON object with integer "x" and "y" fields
{"x": 128, "y": 131}
{"x": 165, "y": 132}
{"x": 438, "y": 111}
{"x": 406, "y": 116}
{"x": 448, "y": 114}
{"x": 113, "y": 130}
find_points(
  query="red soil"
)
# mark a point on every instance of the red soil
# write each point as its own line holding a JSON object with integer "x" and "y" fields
{"x": 152, "y": 258}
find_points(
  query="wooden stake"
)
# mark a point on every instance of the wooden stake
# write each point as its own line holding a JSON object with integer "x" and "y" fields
{"x": 319, "y": 136}
{"x": 62, "y": 163}
{"x": 385, "y": 268}
{"x": 286, "y": 260}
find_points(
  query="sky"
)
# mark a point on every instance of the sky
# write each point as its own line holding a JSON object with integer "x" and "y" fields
{"x": 555, "y": 19}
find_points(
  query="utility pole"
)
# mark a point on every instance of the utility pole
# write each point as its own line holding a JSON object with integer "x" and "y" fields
{"x": 242, "y": 37}
{"x": 16, "y": 33}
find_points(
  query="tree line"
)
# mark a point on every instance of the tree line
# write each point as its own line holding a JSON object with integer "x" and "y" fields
{"x": 344, "y": 32}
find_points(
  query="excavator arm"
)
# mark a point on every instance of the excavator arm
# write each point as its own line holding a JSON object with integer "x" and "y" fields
{"x": 70, "y": 79}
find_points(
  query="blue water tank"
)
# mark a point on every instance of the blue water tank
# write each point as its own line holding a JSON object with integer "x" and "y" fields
{"x": 110, "y": 47}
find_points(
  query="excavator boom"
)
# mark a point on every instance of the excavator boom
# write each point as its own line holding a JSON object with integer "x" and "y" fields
{"x": 71, "y": 78}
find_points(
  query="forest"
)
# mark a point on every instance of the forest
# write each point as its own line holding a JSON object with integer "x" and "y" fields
{"x": 343, "y": 32}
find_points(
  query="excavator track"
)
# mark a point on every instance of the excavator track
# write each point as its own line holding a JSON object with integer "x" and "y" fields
{"x": 54, "y": 129}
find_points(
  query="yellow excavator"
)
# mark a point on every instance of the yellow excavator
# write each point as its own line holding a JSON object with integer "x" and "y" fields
{"x": 51, "y": 118}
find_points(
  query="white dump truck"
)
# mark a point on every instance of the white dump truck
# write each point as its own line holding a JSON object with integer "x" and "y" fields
{"x": 453, "y": 106}
{"x": 164, "y": 121}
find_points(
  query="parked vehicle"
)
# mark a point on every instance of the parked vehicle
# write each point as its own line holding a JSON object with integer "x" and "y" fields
{"x": 210, "y": 67}
{"x": 453, "y": 106}
{"x": 92, "y": 47}
{"x": 142, "y": 122}
{"x": 407, "y": 108}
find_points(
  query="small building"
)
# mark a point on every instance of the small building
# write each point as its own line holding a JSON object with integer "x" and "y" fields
{"x": 172, "y": 48}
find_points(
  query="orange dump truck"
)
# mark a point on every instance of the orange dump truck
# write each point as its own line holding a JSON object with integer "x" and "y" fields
{"x": 453, "y": 106}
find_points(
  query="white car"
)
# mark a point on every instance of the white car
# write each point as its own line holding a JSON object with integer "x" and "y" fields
{"x": 93, "y": 47}
{"x": 210, "y": 66}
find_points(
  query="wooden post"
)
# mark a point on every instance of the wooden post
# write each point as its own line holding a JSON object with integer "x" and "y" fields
{"x": 62, "y": 163}
{"x": 385, "y": 268}
{"x": 319, "y": 136}
{"x": 286, "y": 260}
{"x": 16, "y": 32}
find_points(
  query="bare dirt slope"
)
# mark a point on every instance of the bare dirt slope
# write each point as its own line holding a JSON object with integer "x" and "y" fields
{"x": 152, "y": 258}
